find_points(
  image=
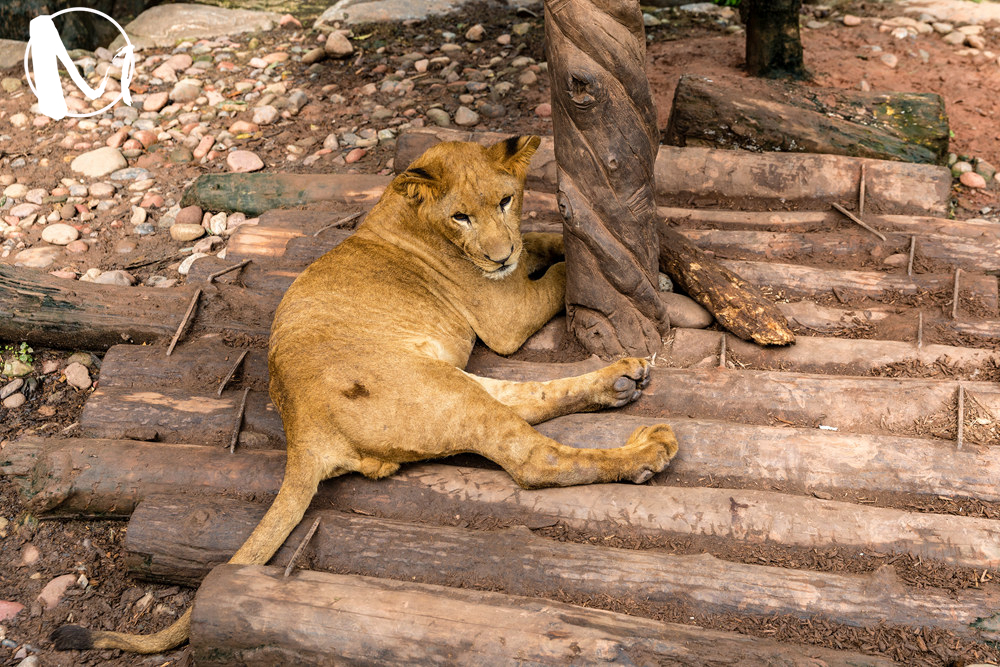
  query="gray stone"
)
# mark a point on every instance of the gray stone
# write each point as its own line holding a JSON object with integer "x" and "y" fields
{"x": 118, "y": 278}
{"x": 98, "y": 162}
{"x": 185, "y": 91}
{"x": 466, "y": 117}
{"x": 685, "y": 312}
{"x": 381, "y": 11}
{"x": 439, "y": 117}
{"x": 338, "y": 46}
{"x": 11, "y": 387}
{"x": 165, "y": 25}
{"x": 130, "y": 174}
{"x": 14, "y": 401}
{"x": 11, "y": 52}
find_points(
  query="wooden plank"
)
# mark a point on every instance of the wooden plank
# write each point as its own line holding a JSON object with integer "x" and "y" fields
{"x": 162, "y": 547}
{"x": 110, "y": 477}
{"x": 254, "y": 194}
{"x": 253, "y": 615}
{"x": 756, "y": 179}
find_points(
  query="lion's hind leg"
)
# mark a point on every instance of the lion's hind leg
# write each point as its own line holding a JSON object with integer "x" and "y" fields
{"x": 610, "y": 387}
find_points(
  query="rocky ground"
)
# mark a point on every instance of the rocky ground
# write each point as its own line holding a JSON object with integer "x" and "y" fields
{"x": 97, "y": 199}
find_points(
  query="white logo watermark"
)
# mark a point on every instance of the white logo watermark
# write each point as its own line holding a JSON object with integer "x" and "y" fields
{"x": 45, "y": 51}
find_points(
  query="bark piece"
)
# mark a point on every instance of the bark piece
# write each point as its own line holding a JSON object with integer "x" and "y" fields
{"x": 253, "y": 615}
{"x": 734, "y": 302}
{"x": 761, "y": 115}
{"x": 762, "y": 181}
{"x": 596, "y": 58}
{"x": 254, "y": 194}
{"x": 163, "y": 547}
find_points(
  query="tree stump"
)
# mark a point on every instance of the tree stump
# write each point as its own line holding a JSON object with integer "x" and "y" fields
{"x": 606, "y": 140}
{"x": 774, "y": 48}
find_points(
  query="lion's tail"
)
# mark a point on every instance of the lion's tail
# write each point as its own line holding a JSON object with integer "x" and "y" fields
{"x": 296, "y": 492}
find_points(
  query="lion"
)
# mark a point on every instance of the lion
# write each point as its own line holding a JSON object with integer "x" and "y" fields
{"x": 369, "y": 344}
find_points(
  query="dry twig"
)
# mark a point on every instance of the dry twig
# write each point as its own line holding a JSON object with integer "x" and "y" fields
{"x": 302, "y": 545}
{"x": 184, "y": 321}
{"x": 858, "y": 220}
{"x": 238, "y": 422}
{"x": 226, "y": 270}
{"x": 343, "y": 221}
{"x": 232, "y": 372}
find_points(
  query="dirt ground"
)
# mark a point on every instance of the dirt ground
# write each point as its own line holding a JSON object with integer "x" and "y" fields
{"x": 837, "y": 55}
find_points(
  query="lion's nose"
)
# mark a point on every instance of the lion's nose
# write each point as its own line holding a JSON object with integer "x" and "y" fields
{"x": 502, "y": 260}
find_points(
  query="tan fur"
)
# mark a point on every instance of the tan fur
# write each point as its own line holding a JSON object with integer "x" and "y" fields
{"x": 368, "y": 345}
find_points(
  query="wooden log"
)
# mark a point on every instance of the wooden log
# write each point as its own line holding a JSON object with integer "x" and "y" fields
{"x": 178, "y": 415}
{"x": 761, "y": 180}
{"x": 254, "y": 194}
{"x": 107, "y": 478}
{"x": 44, "y": 310}
{"x": 811, "y": 281}
{"x": 819, "y": 221}
{"x": 734, "y": 302}
{"x": 773, "y": 45}
{"x": 96, "y": 478}
{"x": 596, "y": 55}
{"x": 761, "y": 115}
{"x": 162, "y": 547}
{"x": 253, "y": 615}
{"x": 689, "y": 348}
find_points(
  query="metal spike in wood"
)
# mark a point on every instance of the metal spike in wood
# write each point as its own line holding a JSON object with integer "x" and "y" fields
{"x": 606, "y": 140}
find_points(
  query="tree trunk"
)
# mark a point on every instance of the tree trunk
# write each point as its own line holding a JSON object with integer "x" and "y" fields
{"x": 254, "y": 194}
{"x": 774, "y": 48}
{"x": 596, "y": 55}
{"x": 760, "y": 115}
{"x": 162, "y": 547}
{"x": 253, "y": 615}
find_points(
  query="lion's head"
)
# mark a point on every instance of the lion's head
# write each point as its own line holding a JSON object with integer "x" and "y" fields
{"x": 472, "y": 195}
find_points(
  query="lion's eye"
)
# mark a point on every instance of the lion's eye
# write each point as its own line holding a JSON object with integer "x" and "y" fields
{"x": 461, "y": 217}
{"x": 505, "y": 202}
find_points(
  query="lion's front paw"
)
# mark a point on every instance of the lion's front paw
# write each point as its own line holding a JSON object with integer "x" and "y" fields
{"x": 631, "y": 376}
{"x": 653, "y": 448}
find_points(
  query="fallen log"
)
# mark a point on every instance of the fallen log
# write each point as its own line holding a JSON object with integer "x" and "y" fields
{"x": 44, "y": 310}
{"x": 97, "y": 478}
{"x": 162, "y": 547}
{"x": 760, "y": 115}
{"x": 811, "y": 281}
{"x": 254, "y": 194}
{"x": 764, "y": 180}
{"x": 695, "y": 348}
{"x": 177, "y": 415}
{"x": 253, "y": 615}
{"x": 735, "y": 303}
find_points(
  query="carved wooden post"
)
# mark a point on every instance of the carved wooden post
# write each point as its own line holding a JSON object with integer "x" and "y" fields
{"x": 604, "y": 124}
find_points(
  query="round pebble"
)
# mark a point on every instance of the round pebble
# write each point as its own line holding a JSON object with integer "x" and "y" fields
{"x": 41, "y": 257}
{"x": 242, "y": 162}
{"x": 354, "y": 155}
{"x": 466, "y": 117}
{"x": 971, "y": 179}
{"x": 11, "y": 387}
{"x": 186, "y": 231}
{"x": 99, "y": 162}
{"x": 16, "y": 191}
{"x": 14, "y": 401}
{"x": 851, "y": 20}
{"x": 60, "y": 234}
{"x": 77, "y": 247}
{"x": 338, "y": 46}
{"x": 118, "y": 278}
{"x": 101, "y": 190}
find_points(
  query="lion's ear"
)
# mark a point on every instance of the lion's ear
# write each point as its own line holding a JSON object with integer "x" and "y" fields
{"x": 514, "y": 154}
{"x": 417, "y": 183}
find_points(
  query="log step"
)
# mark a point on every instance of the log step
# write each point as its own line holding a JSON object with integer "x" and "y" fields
{"x": 762, "y": 179}
{"x": 161, "y": 546}
{"x": 253, "y": 615}
{"x": 69, "y": 478}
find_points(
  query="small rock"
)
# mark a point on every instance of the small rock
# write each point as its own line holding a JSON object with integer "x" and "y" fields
{"x": 338, "y": 46}
{"x": 943, "y": 28}
{"x": 975, "y": 41}
{"x": 466, "y": 117}
{"x": 685, "y": 312}
{"x": 101, "y": 190}
{"x": 99, "y": 162}
{"x": 985, "y": 169}
{"x": 11, "y": 387}
{"x": 49, "y": 367}
{"x": 354, "y": 155}
{"x": 960, "y": 167}
{"x": 330, "y": 143}
{"x": 179, "y": 61}
{"x": 186, "y": 231}
{"x": 851, "y": 20}
{"x": 55, "y": 589}
{"x": 9, "y": 610}
{"x": 439, "y": 117}
{"x": 181, "y": 154}
{"x": 19, "y": 120}
{"x": 185, "y": 91}
{"x": 161, "y": 281}
{"x": 971, "y": 179}
{"x": 15, "y": 368}
{"x": 10, "y": 85}
{"x": 29, "y": 555}
{"x": 13, "y": 401}
{"x": 40, "y": 257}
{"x": 527, "y": 78}
{"x": 24, "y": 210}
{"x": 125, "y": 246}
{"x": 118, "y": 278}
{"x": 241, "y": 162}
{"x": 521, "y": 29}
{"x": 897, "y": 260}
{"x": 217, "y": 223}
{"x": 955, "y": 38}
{"x": 77, "y": 376}
{"x": 16, "y": 191}
{"x": 265, "y": 115}
{"x": 289, "y": 21}
{"x": 243, "y": 127}
{"x": 314, "y": 55}
{"x": 155, "y": 101}
{"x": 476, "y": 33}
{"x": 208, "y": 244}
{"x": 889, "y": 60}
{"x": 189, "y": 215}
{"x": 67, "y": 212}
{"x": 138, "y": 216}
{"x": 543, "y": 110}
{"x": 77, "y": 247}
{"x": 60, "y": 234}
